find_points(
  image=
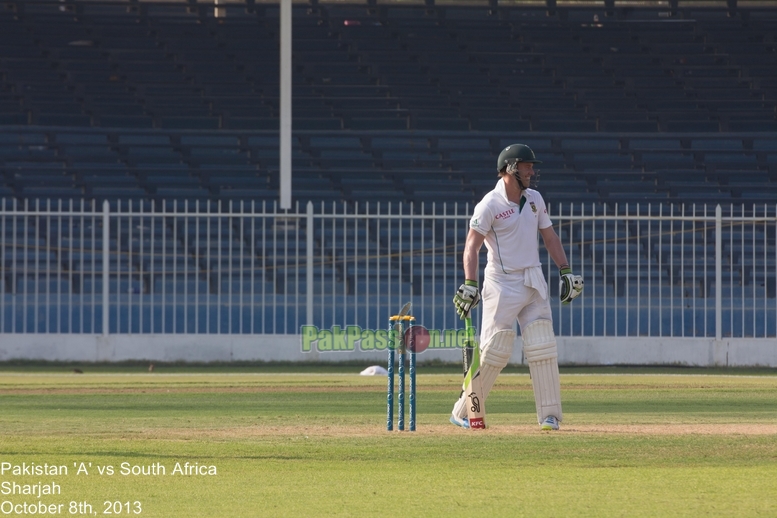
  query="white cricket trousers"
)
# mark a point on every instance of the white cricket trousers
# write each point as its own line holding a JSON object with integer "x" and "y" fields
{"x": 506, "y": 297}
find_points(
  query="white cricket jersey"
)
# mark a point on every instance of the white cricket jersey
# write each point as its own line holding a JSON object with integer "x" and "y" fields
{"x": 511, "y": 232}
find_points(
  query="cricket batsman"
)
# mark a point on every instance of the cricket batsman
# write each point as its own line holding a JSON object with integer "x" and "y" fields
{"x": 507, "y": 219}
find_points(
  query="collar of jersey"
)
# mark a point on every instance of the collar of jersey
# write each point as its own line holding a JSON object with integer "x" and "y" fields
{"x": 500, "y": 188}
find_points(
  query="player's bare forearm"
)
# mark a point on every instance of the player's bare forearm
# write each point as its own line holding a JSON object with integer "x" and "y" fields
{"x": 554, "y": 246}
{"x": 471, "y": 250}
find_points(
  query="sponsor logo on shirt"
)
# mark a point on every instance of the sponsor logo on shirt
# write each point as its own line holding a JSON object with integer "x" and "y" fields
{"x": 505, "y": 214}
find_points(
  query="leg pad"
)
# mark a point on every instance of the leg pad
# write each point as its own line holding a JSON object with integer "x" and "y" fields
{"x": 541, "y": 352}
{"x": 495, "y": 354}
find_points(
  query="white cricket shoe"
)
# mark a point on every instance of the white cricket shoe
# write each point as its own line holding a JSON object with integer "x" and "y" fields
{"x": 550, "y": 423}
{"x": 460, "y": 421}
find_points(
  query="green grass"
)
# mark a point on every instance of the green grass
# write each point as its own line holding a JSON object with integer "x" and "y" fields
{"x": 661, "y": 442}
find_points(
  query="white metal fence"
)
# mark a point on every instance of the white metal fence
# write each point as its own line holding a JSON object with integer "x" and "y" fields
{"x": 650, "y": 270}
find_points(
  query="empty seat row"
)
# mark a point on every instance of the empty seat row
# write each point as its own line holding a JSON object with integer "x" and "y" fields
{"x": 388, "y": 69}
{"x": 202, "y": 166}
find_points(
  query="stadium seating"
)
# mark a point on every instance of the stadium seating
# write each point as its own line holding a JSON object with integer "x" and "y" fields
{"x": 164, "y": 105}
{"x": 203, "y": 86}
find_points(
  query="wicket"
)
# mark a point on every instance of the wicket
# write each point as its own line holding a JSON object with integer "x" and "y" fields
{"x": 397, "y": 326}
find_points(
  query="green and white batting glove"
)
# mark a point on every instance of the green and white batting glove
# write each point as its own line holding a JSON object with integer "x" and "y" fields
{"x": 570, "y": 286}
{"x": 466, "y": 298}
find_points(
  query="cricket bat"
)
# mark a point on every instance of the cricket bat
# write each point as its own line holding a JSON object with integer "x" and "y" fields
{"x": 473, "y": 388}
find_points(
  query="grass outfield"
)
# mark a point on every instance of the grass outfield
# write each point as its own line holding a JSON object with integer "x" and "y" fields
{"x": 266, "y": 441}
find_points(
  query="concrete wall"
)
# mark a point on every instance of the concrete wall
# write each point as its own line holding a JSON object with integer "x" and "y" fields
{"x": 225, "y": 348}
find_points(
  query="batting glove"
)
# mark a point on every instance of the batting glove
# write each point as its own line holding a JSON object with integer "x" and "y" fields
{"x": 466, "y": 298}
{"x": 570, "y": 286}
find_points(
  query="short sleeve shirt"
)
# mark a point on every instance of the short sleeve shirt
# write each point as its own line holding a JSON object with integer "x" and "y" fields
{"x": 511, "y": 232}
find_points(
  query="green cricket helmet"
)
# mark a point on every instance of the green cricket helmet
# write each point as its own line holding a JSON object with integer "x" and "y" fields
{"x": 517, "y": 153}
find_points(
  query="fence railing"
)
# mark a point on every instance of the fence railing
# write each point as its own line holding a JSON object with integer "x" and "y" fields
{"x": 649, "y": 270}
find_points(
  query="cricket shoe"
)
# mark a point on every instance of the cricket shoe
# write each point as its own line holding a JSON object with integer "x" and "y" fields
{"x": 550, "y": 423}
{"x": 460, "y": 421}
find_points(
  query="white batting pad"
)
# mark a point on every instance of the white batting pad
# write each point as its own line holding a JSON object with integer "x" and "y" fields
{"x": 497, "y": 351}
{"x": 541, "y": 352}
{"x": 494, "y": 356}
{"x": 460, "y": 408}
